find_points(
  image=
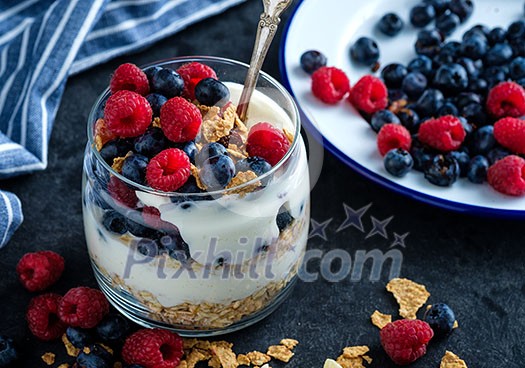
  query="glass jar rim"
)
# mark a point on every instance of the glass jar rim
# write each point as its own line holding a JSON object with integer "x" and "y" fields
{"x": 282, "y": 90}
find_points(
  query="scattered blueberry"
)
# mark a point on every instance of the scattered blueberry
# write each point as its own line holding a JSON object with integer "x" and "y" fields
{"x": 440, "y": 6}
{"x": 8, "y": 352}
{"x": 210, "y": 150}
{"x": 463, "y": 160}
{"x": 147, "y": 247}
{"x": 393, "y": 75}
{"x": 474, "y": 113}
{"x": 137, "y": 229}
{"x": 396, "y": 95}
{"x": 477, "y": 169}
{"x": 113, "y": 327}
{"x": 516, "y": 31}
{"x": 474, "y": 47}
{"x": 447, "y": 22}
{"x": 254, "y": 163}
{"x": 494, "y": 75}
{"x": 284, "y": 219}
{"x": 383, "y": 117}
{"x": 430, "y": 102}
{"x": 151, "y": 71}
{"x": 211, "y": 92}
{"x": 156, "y": 101}
{"x": 151, "y": 142}
{"x": 428, "y": 42}
{"x": 79, "y": 337}
{"x": 217, "y": 172}
{"x": 365, "y": 51}
{"x": 483, "y": 140}
{"x": 422, "y": 14}
{"x": 409, "y": 119}
{"x": 448, "y": 108}
{"x": 517, "y": 68}
{"x": 463, "y": 8}
{"x": 115, "y": 148}
{"x": 167, "y": 82}
{"x": 134, "y": 168}
{"x": 440, "y": 318}
{"x": 478, "y": 85}
{"x": 443, "y": 171}
{"x": 448, "y": 53}
{"x": 423, "y": 65}
{"x": 422, "y": 157}
{"x": 390, "y": 24}
{"x": 498, "y": 54}
{"x": 414, "y": 84}
{"x": 175, "y": 246}
{"x": 496, "y": 35}
{"x": 496, "y": 154}
{"x": 398, "y": 162}
{"x": 451, "y": 78}
{"x": 312, "y": 60}
{"x": 190, "y": 149}
{"x": 115, "y": 222}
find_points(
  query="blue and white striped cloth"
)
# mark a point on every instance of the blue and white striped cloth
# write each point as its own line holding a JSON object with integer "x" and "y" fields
{"x": 42, "y": 42}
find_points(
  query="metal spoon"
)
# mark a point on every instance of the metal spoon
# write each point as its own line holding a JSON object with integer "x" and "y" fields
{"x": 265, "y": 32}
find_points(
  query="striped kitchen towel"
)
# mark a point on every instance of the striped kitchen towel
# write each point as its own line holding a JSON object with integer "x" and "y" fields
{"x": 42, "y": 42}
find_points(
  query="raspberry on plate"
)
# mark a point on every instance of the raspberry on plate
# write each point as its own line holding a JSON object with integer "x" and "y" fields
{"x": 42, "y": 317}
{"x": 507, "y": 175}
{"x": 169, "y": 170}
{"x": 393, "y": 136}
{"x": 129, "y": 77}
{"x": 330, "y": 84}
{"x": 445, "y": 133}
{"x": 268, "y": 142}
{"x": 406, "y": 340}
{"x": 192, "y": 73}
{"x": 153, "y": 348}
{"x": 38, "y": 271}
{"x": 369, "y": 95}
{"x": 127, "y": 114}
{"x": 506, "y": 99}
{"x": 83, "y": 307}
{"x": 510, "y": 133}
{"x": 180, "y": 120}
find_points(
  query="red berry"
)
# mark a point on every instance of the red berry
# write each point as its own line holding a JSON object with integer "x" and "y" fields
{"x": 38, "y": 271}
{"x": 169, "y": 170}
{"x": 507, "y": 175}
{"x": 127, "y": 114}
{"x": 506, "y": 99}
{"x": 180, "y": 120}
{"x": 393, "y": 136}
{"x": 83, "y": 307}
{"x": 268, "y": 142}
{"x": 445, "y": 133}
{"x": 192, "y": 73}
{"x": 330, "y": 84}
{"x": 406, "y": 340}
{"x": 369, "y": 94}
{"x": 121, "y": 193}
{"x": 129, "y": 77}
{"x": 151, "y": 217}
{"x": 153, "y": 348}
{"x": 510, "y": 133}
{"x": 42, "y": 317}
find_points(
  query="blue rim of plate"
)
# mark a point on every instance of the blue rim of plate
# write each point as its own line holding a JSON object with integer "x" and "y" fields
{"x": 369, "y": 174}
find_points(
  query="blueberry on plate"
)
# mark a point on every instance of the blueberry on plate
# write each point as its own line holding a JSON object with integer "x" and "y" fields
{"x": 421, "y": 64}
{"x": 478, "y": 85}
{"x": 115, "y": 148}
{"x": 496, "y": 154}
{"x": 253, "y": 163}
{"x": 443, "y": 171}
{"x": 494, "y": 75}
{"x": 500, "y": 53}
{"x": 422, "y": 14}
{"x": 470, "y": 67}
{"x": 517, "y": 68}
{"x": 516, "y": 31}
{"x": 482, "y": 140}
{"x": 474, "y": 47}
{"x": 447, "y": 22}
{"x": 8, "y": 352}
{"x": 79, "y": 337}
{"x": 113, "y": 327}
{"x": 151, "y": 142}
{"x": 210, "y": 150}
{"x": 448, "y": 53}
{"x": 463, "y": 8}
{"x": 393, "y": 75}
{"x": 409, "y": 119}
{"x": 430, "y": 102}
{"x": 217, "y": 172}
{"x": 398, "y": 162}
{"x": 134, "y": 168}
{"x": 175, "y": 246}
{"x": 312, "y": 60}
{"x": 496, "y": 35}
{"x": 422, "y": 156}
{"x": 396, "y": 95}
{"x": 451, "y": 78}
{"x": 463, "y": 160}
{"x": 211, "y": 92}
{"x": 390, "y": 24}
{"x": 156, "y": 102}
{"x": 428, "y": 42}
{"x": 115, "y": 222}
{"x": 477, "y": 169}
{"x": 448, "y": 108}
{"x": 474, "y": 113}
{"x": 167, "y": 82}
{"x": 383, "y": 117}
{"x": 440, "y": 6}
{"x": 414, "y": 84}
{"x": 365, "y": 51}
{"x": 441, "y": 318}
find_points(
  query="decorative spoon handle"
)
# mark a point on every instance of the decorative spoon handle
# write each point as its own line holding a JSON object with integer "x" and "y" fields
{"x": 265, "y": 32}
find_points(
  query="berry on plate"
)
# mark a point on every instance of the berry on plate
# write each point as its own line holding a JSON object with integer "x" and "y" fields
{"x": 153, "y": 348}
{"x": 390, "y": 24}
{"x": 507, "y": 175}
{"x": 392, "y": 136}
{"x": 192, "y": 73}
{"x": 442, "y": 171}
{"x": 445, "y": 133}
{"x": 83, "y": 307}
{"x": 365, "y": 51}
{"x": 506, "y": 99}
{"x": 440, "y": 318}
{"x": 127, "y": 114}
{"x": 398, "y": 162}
{"x": 369, "y": 95}
{"x": 168, "y": 170}
{"x": 8, "y": 352}
{"x": 312, "y": 60}
{"x": 330, "y": 84}
{"x": 180, "y": 120}
{"x": 129, "y": 77}
{"x": 510, "y": 133}
{"x": 268, "y": 142}
{"x": 38, "y": 271}
{"x": 405, "y": 341}
{"x": 42, "y": 317}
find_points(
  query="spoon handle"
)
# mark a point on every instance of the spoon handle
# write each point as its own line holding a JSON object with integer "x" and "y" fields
{"x": 265, "y": 32}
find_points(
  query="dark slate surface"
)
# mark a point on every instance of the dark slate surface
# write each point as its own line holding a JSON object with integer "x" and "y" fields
{"x": 474, "y": 264}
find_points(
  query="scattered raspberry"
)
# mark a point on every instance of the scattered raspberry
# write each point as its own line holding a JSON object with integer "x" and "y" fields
{"x": 393, "y": 136}
{"x": 121, "y": 193}
{"x": 445, "y": 133}
{"x": 330, "y": 84}
{"x": 180, "y": 120}
{"x": 38, "y": 271}
{"x": 510, "y": 133}
{"x": 153, "y": 348}
{"x": 506, "y": 99}
{"x": 507, "y": 175}
{"x": 83, "y": 307}
{"x": 268, "y": 142}
{"x": 102, "y": 132}
{"x": 369, "y": 94}
{"x": 42, "y": 317}
{"x": 193, "y": 73}
{"x": 406, "y": 340}
{"x": 169, "y": 170}
{"x": 127, "y": 114}
{"x": 129, "y": 77}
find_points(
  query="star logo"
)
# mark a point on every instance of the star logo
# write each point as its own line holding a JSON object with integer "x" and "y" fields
{"x": 354, "y": 217}
{"x": 379, "y": 227}
{"x": 399, "y": 240}
{"x": 318, "y": 229}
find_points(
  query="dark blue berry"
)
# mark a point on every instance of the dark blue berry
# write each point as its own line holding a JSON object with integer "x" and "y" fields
{"x": 365, "y": 51}
{"x": 478, "y": 85}
{"x": 113, "y": 327}
{"x": 390, "y": 24}
{"x": 115, "y": 148}
{"x": 421, "y": 64}
{"x": 396, "y": 95}
{"x": 430, "y": 102}
{"x": 409, "y": 119}
{"x": 156, "y": 101}
{"x": 470, "y": 67}
{"x": 312, "y": 60}
{"x": 421, "y": 15}
{"x": 151, "y": 71}
{"x": 494, "y": 75}
{"x": 414, "y": 84}
{"x": 451, "y": 78}
{"x": 191, "y": 188}
{"x": 440, "y": 6}
{"x": 477, "y": 169}
{"x": 393, "y": 75}
{"x": 217, "y": 172}
{"x": 447, "y": 22}
{"x": 465, "y": 98}
{"x": 485, "y": 30}
{"x": 151, "y": 142}
{"x": 8, "y": 352}
{"x": 474, "y": 113}
{"x": 517, "y": 68}
{"x": 210, "y": 150}
{"x": 448, "y": 108}
{"x": 167, "y": 82}
{"x": 483, "y": 140}
{"x": 448, "y": 53}
{"x": 443, "y": 171}
{"x": 94, "y": 357}
{"x": 211, "y": 92}
{"x": 466, "y": 126}
{"x": 516, "y": 31}
{"x": 496, "y": 35}
{"x": 440, "y": 318}
{"x": 134, "y": 168}
{"x": 428, "y": 42}
{"x": 422, "y": 156}
{"x": 115, "y": 222}
{"x": 518, "y": 47}
{"x": 463, "y": 8}
{"x": 496, "y": 154}
{"x": 474, "y": 47}
{"x": 498, "y": 54}
{"x": 473, "y": 32}
{"x": 136, "y": 228}
{"x": 383, "y": 117}
{"x": 175, "y": 246}
{"x": 463, "y": 160}
{"x": 284, "y": 219}
{"x": 79, "y": 337}
{"x": 254, "y": 163}
{"x": 147, "y": 247}
{"x": 398, "y": 162}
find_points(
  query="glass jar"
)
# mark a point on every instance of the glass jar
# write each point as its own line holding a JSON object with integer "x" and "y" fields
{"x": 201, "y": 263}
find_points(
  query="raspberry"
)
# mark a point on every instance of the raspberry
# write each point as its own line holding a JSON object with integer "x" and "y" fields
{"x": 102, "y": 132}
{"x": 506, "y": 99}
{"x": 510, "y": 133}
{"x": 127, "y": 114}
{"x": 193, "y": 73}
{"x": 268, "y": 142}
{"x": 406, "y": 340}
{"x": 445, "y": 133}
{"x": 393, "y": 136}
{"x": 153, "y": 348}
{"x": 169, "y": 170}
{"x": 151, "y": 216}
{"x": 83, "y": 307}
{"x": 180, "y": 120}
{"x": 38, "y": 271}
{"x": 129, "y": 77}
{"x": 330, "y": 84}
{"x": 507, "y": 175}
{"x": 369, "y": 95}
{"x": 42, "y": 317}
{"x": 121, "y": 193}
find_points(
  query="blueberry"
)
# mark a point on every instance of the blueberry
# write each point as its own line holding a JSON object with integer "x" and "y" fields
{"x": 97, "y": 357}
{"x": 113, "y": 327}
{"x": 8, "y": 352}
{"x": 483, "y": 140}
{"x": 190, "y": 187}
{"x": 421, "y": 156}
{"x": 167, "y": 82}
{"x": 451, "y": 78}
{"x": 211, "y": 92}
{"x": 470, "y": 66}
{"x": 151, "y": 71}
{"x": 478, "y": 85}
{"x": 137, "y": 229}
{"x": 409, "y": 119}
{"x": 496, "y": 154}
{"x": 390, "y": 24}
{"x": 463, "y": 160}
{"x": 477, "y": 169}
{"x": 440, "y": 318}
{"x": 448, "y": 53}
{"x": 422, "y": 14}
{"x": 430, "y": 102}
{"x": 398, "y": 162}
{"x": 494, "y": 75}
{"x": 147, "y": 247}
{"x": 312, "y": 60}
{"x": 284, "y": 219}
{"x": 498, "y": 54}
{"x": 115, "y": 148}
{"x": 496, "y": 35}
{"x": 448, "y": 108}
{"x": 175, "y": 246}
{"x": 474, "y": 113}
{"x": 443, "y": 171}
{"x": 421, "y": 64}
{"x": 474, "y": 47}
{"x": 114, "y": 222}
{"x": 254, "y": 163}
{"x": 383, "y": 117}
{"x": 428, "y": 42}
{"x": 485, "y": 30}
{"x": 151, "y": 142}
{"x": 156, "y": 101}
{"x": 440, "y": 6}
{"x": 447, "y": 22}
{"x": 473, "y": 32}
{"x": 191, "y": 150}
{"x": 414, "y": 84}
{"x": 134, "y": 168}
{"x": 521, "y": 82}
{"x": 393, "y": 75}
{"x": 217, "y": 172}
{"x": 518, "y": 48}
{"x": 396, "y": 95}
{"x": 465, "y": 98}
{"x": 365, "y": 51}
{"x": 517, "y": 68}
{"x": 467, "y": 127}
{"x": 463, "y": 8}
{"x": 79, "y": 337}
{"x": 210, "y": 150}
{"x": 516, "y": 31}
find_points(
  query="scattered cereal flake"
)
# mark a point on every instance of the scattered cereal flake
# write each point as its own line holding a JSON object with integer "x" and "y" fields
{"x": 188, "y": 343}
{"x": 195, "y": 174}
{"x": 196, "y": 356}
{"x": 330, "y": 363}
{"x": 367, "y": 359}
{"x": 217, "y": 124}
{"x": 156, "y": 122}
{"x": 398, "y": 105}
{"x": 63, "y": 365}
{"x": 241, "y": 178}
{"x": 353, "y": 357}
{"x": 71, "y": 350}
{"x": 243, "y": 359}
{"x": 380, "y": 320}
{"x": 214, "y": 362}
{"x": 455, "y": 325}
{"x": 203, "y": 344}
{"x": 182, "y": 364}
{"x": 202, "y": 108}
{"x": 49, "y": 358}
{"x": 355, "y": 351}
{"x": 451, "y": 360}
{"x": 289, "y": 343}
{"x": 117, "y": 365}
{"x": 280, "y": 352}
{"x": 118, "y": 162}
{"x": 350, "y": 362}
{"x": 236, "y": 152}
{"x": 223, "y": 352}
{"x": 409, "y": 295}
{"x": 288, "y": 135}
{"x": 258, "y": 358}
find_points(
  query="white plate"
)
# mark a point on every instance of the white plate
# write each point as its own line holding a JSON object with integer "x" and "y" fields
{"x": 331, "y": 26}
